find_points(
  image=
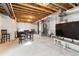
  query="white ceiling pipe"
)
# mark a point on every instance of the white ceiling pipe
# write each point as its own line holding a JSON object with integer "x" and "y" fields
{"x": 73, "y": 11}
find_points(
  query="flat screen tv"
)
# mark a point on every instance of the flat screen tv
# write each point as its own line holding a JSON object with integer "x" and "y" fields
{"x": 68, "y": 30}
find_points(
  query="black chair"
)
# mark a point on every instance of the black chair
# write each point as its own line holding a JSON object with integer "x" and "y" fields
{"x": 8, "y": 37}
{"x": 21, "y": 36}
{"x": 30, "y": 35}
{"x": 4, "y": 35}
{"x": 26, "y": 33}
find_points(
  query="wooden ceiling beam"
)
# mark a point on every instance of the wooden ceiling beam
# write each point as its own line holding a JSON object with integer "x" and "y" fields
{"x": 26, "y": 8}
{"x": 54, "y": 9}
{"x": 24, "y": 17}
{"x": 29, "y": 14}
{"x": 2, "y": 10}
{"x": 38, "y": 18}
{"x": 72, "y": 5}
{"x": 12, "y": 11}
{"x": 34, "y": 20}
{"x": 41, "y": 18}
{"x": 37, "y": 8}
{"x": 25, "y": 11}
{"x": 58, "y": 5}
{"x": 24, "y": 21}
{"x": 17, "y": 12}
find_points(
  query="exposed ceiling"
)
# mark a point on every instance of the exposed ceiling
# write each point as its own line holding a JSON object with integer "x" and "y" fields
{"x": 31, "y": 12}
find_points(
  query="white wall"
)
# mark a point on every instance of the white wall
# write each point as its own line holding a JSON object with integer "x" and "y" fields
{"x": 24, "y": 26}
{"x": 7, "y": 23}
{"x": 35, "y": 27}
{"x": 72, "y": 17}
{"x": 40, "y": 28}
{"x": 51, "y": 22}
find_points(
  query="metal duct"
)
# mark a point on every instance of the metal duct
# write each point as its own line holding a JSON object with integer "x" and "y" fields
{"x": 73, "y": 11}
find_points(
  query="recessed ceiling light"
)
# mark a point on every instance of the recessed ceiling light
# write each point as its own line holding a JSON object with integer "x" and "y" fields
{"x": 28, "y": 19}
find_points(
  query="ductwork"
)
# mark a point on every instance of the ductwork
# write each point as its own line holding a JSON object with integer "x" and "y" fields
{"x": 72, "y": 11}
{"x": 68, "y": 12}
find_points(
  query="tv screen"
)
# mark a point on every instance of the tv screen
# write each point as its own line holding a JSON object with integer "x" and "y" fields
{"x": 69, "y": 30}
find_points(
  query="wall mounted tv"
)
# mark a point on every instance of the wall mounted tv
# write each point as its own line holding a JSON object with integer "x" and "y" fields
{"x": 68, "y": 30}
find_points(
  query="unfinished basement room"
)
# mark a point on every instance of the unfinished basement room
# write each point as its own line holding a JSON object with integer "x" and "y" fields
{"x": 39, "y": 29}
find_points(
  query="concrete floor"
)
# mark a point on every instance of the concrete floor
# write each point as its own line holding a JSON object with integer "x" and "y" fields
{"x": 41, "y": 46}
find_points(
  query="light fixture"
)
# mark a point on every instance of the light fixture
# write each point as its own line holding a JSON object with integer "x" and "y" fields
{"x": 30, "y": 17}
{"x": 27, "y": 16}
{"x": 29, "y": 20}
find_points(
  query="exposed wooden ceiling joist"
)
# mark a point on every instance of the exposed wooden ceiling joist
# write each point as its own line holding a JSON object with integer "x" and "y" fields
{"x": 37, "y": 8}
{"x": 43, "y": 6}
{"x": 12, "y": 11}
{"x": 37, "y": 17}
{"x": 28, "y": 12}
{"x": 72, "y": 5}
{"x": 47, "y": 7}
{"x": 2, "y": 10}
{"x": 58, "y": 5}
{"x": 27, "y": 9}
{"x": 25, "y": 20}
{"x": 33, "y": 20}
{"x": 16, "y": 10}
